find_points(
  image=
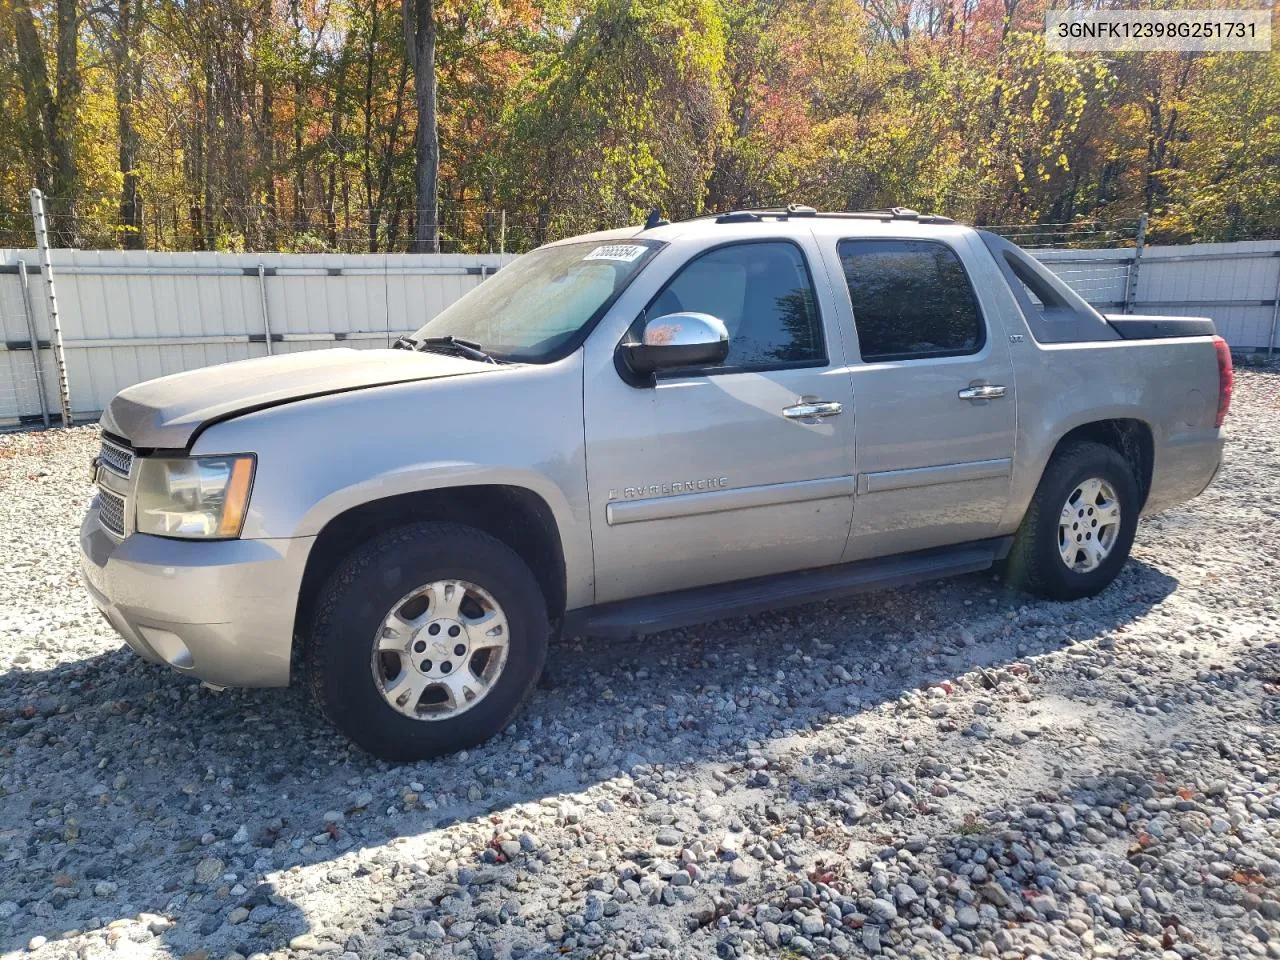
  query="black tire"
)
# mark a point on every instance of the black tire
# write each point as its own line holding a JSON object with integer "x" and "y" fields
{"x": 1035, "y": 564}
{"x": 362, "y": 591}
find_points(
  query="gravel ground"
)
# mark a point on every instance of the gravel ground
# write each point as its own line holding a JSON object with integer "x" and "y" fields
{"x": 950, "y": 769}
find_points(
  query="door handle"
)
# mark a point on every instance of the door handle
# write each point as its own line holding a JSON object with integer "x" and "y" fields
{"x": 982, "y": 391}
{"x": 813, "y": 410}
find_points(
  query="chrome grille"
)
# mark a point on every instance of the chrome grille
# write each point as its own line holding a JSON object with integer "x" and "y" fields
{"x": 111, "y": 511}
{"x": 115, "y": 458}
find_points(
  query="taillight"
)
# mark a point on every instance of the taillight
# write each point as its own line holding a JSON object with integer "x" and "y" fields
{"x": 1226, "y": 379}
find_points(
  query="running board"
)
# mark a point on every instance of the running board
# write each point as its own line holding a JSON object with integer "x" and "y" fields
{"x": 682, "y": 608}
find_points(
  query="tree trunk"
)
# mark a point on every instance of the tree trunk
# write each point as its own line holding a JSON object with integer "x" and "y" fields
{"x": 366, "y": 147}
{"x": 209, "y": 189}
{"x": 51, "y": 115}
{"x": 393, "y": 226}
{"x": 301, "y": 220}
{"x": 339, "y": 150}
{"x": 36, "y": 96}
{"x": 386, "y": 164}
{"x": 193, "y": 161}
{"x": 65, "y": 175}
{"x": 420, "y": 48}
{"x": 128, "y": 81}
{"x": 490, "y": 218}
{"x": 267, "y": 149}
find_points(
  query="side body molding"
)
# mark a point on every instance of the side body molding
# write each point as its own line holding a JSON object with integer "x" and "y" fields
{"x": 720, "y": 501}
{"x": 883, "y": 480}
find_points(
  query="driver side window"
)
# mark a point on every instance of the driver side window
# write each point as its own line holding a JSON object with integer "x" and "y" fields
{"x": 763, "y": 293}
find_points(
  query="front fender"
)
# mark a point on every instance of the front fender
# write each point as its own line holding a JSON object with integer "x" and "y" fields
{"x": 519, "y": 426}
{"x": 424, "y": 477}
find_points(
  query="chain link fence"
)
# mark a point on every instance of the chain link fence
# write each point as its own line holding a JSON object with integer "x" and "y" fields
{"x": 1101, "y": 280}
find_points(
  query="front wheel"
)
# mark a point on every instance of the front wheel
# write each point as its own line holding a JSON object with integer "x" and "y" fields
{"x": 426, "y": 640}
{"x": 1079, "y": 528}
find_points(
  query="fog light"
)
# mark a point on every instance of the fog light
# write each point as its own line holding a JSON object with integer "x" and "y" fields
{"x": 168, "y": 647}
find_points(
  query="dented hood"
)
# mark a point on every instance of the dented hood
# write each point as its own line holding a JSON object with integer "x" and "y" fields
{"x": 168, "y": 412}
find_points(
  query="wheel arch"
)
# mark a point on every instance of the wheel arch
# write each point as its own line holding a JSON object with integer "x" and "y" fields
{"x": 1130, "y": 437}
{"x": 517, "y": 516}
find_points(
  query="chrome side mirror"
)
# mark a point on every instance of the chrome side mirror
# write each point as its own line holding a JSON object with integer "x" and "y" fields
{"x": 677, "y": 340}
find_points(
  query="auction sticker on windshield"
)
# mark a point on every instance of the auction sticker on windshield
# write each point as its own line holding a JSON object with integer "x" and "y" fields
{"x": 625, "y": 252}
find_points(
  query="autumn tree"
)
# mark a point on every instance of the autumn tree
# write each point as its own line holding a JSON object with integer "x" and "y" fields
{"x": 420, "y": 50}
{"x": 310, "y": 125}
{"x": 51, "y": 107}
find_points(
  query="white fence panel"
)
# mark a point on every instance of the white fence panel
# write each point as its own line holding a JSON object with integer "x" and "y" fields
{"x": 1238, "y": 287}
{"x": 129, "y": 316}
{"x": 1236, "y": 284}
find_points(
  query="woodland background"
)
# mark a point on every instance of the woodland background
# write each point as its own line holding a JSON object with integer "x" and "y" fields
{"x": 376, "y": 125}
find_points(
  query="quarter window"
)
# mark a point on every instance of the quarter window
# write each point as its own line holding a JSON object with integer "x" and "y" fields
{"x": 764, "y": 295}
{"x": 911, "y": 299}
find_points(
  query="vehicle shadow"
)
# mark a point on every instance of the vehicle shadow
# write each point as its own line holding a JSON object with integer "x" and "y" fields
{"x": 130, "y": 789}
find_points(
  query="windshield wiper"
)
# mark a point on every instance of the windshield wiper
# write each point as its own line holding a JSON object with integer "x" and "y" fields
{"x": 455, "y": 345}
{"x": 405, "y": 343}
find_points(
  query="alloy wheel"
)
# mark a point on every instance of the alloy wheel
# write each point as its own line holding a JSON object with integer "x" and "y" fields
{"x": 440, "y": 650}
{"x": 1089, "y": 525}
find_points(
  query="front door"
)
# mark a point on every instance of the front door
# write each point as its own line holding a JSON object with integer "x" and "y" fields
{"x": 934, "y": 397}
{"x": 734, "y": 471}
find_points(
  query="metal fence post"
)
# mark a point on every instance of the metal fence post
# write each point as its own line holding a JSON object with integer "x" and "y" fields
{"x": 1131, "y": 275}
{"x": 1275, "y": 310}
{"x": 262, "y": 293}
{"x": 35, "y": 339}
{"x": 55, "y": 323}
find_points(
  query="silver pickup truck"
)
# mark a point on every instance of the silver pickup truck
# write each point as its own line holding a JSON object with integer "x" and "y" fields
{"x": 633, "y": 431}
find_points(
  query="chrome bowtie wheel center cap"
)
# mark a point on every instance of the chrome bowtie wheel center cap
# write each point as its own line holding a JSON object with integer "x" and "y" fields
{"x": 440, "y": 648}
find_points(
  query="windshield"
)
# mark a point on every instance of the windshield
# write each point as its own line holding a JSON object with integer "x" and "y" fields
{"x": 538, "y": 307}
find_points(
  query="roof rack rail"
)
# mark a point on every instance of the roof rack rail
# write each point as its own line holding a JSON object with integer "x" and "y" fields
{"x": 757, "y": 215}
{"x": 655, "y": 219}
{"x": 737, "y": 216}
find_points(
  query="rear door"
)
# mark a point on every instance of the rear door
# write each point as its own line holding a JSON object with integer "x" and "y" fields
{"x": 933, "y": 395}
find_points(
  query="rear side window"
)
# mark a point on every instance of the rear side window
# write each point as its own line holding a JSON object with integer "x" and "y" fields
{"x": 764, "y": 294}
{"x": 911, "y": 299}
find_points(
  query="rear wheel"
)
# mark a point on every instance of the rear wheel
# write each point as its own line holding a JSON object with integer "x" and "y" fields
{"x": 1079, "y": 528}
{"x": 427, "y": 640}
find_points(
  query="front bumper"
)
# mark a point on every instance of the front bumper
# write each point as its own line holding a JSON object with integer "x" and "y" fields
{"x": 218, "y": 610}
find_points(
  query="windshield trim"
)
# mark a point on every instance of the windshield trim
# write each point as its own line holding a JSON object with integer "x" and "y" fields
{"x": 580, "y": 337}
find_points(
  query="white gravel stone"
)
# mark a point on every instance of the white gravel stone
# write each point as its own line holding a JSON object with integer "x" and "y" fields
{"x": 951, "y": 769}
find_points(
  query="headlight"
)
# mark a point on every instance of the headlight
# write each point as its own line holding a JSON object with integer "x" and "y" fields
{"x": 193, "y": 497}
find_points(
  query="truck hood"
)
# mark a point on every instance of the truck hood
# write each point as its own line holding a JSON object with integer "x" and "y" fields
{"x": 169, "y": 412}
